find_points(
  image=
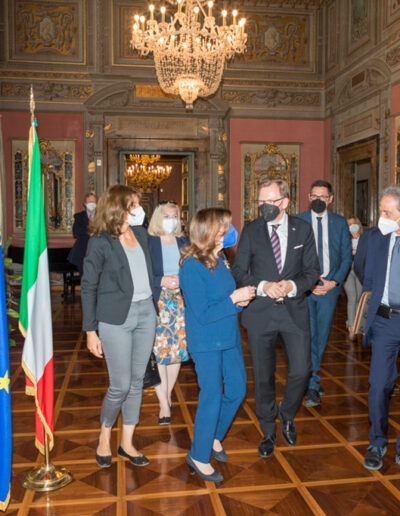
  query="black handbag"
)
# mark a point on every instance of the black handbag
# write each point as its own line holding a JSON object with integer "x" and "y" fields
{"x": 151, "y": 376}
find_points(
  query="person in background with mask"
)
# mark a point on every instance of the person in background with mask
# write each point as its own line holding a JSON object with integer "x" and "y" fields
{"x": 382, "y": 329}
{"x": 333, "y": 246}
{"x": 165, "y": 242}
{"x": 119, "y": 316}
{"x": 212, "y": 303}
{"x": 277, "y": 255}
{"x": 352, "y": 285}
{"x": 80, "y": 230}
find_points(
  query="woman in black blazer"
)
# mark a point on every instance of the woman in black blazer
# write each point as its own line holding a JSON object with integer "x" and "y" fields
{"x": 119, "y": 315}
{"x": 165, "y": 242}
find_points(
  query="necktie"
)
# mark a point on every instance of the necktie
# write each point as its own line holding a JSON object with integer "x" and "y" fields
{"x": 394, "y": 276}
{"x": 276, "y": 247}
{"x": 320, "y": 244}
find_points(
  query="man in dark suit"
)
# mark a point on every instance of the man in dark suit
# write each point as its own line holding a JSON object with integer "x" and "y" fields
{"x": 334, "y": 250}
{"x": 382, "y": 278}
{"x": 80, "y": 230}
{"x": 277, "y": 254}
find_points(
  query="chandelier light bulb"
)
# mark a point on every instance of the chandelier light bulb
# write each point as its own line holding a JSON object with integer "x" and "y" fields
{"x": 190, "y": 50}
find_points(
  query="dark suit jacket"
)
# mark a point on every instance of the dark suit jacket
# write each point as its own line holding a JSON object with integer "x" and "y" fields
{"x": 106, "y": 285}
{"x": 340, "y": 253}
{"x": 81, "y": 233}
{"x": 255, "y": 262}
{"x": 157, "y": 262}
{"x": 375, "y": 274}
{"x": 361, "y": 253}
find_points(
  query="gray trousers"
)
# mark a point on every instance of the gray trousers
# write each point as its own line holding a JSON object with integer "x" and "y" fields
{"x": 353, "y": 289}
{"x": 127, "y": 349}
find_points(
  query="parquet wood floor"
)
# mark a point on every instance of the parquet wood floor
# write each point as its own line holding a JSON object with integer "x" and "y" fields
{"x": 322, "y": 474}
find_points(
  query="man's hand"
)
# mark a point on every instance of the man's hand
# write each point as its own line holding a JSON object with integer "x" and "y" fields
{"x": 322, "y": 290}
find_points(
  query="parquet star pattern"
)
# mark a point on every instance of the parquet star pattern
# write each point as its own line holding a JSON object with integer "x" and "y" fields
{"x": 322, "y": 474}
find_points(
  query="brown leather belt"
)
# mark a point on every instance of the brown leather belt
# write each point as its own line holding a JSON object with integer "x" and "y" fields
{"x": 387, "y": 312}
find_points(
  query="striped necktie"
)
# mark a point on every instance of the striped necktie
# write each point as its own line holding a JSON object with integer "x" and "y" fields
{"x": 276, "y": 246}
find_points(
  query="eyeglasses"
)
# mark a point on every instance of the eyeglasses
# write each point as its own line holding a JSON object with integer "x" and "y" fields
{"x": 321, "y": 197}
{"x": 269, "y": 201}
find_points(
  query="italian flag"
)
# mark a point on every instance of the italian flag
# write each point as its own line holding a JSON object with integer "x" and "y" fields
{"x": 35, "y": 305}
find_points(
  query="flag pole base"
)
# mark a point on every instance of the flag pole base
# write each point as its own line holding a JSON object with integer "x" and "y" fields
{"x": 47, "y": 477}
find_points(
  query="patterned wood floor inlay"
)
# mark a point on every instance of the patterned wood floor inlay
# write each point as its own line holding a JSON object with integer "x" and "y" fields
{"x": 322, "y": 474}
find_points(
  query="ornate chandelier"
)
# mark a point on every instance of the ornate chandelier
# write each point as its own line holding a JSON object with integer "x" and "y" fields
{"x": 190, "y": 49}
{"x": 142, "y": 171}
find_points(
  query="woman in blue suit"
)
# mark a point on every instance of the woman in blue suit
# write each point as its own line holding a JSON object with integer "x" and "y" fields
{"x": 211, "y": 307}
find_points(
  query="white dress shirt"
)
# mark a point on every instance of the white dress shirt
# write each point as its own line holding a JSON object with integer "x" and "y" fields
{"x": 385, "y": 297}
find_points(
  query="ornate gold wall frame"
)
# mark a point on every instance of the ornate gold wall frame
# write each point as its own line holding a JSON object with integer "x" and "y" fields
{"x": 260, "y": 161}
{"x": 57, "y": 160}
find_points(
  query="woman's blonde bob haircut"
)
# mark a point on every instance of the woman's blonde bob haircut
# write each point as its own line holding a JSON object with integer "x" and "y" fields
{"x": 203, "y": 232}
{"x": 156, "y": 222}
{"x": 111, "y": 211}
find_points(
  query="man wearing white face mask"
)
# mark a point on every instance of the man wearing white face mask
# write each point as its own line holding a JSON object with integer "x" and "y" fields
{"x": 137, "y": 215}
{"x": 382, "y": 278}
{"x": 80, "y": 230}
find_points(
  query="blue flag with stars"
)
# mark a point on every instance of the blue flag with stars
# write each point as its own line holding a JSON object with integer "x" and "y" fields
{"x": 5, "y": 403}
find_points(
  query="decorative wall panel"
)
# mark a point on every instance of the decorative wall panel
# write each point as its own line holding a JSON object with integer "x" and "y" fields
{"x": 47, "y": 31}
{"x": 360, "y": 26}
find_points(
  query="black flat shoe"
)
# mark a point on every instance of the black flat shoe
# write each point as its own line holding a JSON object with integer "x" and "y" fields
{"x": 214, "y": 477}
{"x": 103, "y": 461}
{"x": 138, "y": 460}
{"x": 221, "y": 456}
{"x": 164, "y": 420}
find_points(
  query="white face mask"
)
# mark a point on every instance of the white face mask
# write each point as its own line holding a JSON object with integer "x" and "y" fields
{"x": 354, "y": 228}
{"x": 136, "y": 216}
{"x": 91, "y": 206}
{"x": 169, "y": 225}
{"x": 387, "y": 226}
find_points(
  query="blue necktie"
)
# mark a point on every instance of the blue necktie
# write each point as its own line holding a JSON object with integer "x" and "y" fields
{"x": 394, "y": 276}
{"x": 320, "y": 244}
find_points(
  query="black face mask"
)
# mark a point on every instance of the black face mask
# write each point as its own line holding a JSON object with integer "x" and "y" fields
{"x": 269, "y": 212}
{"x": 318, "y": 206}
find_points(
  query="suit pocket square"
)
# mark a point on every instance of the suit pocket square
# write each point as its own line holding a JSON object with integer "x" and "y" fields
{"x": 298, "y": 246}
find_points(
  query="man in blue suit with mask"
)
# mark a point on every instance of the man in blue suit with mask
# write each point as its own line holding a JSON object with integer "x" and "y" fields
{"x": 333, "y": 243}
{"x": 382, "y": 329}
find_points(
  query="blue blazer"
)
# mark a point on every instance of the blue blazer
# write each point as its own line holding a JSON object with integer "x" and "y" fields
{"x": 375, "y": 274}
{"x": 210, "y": 316}
{"x": 157, "y": 262}
{"x": 340, "y": 254}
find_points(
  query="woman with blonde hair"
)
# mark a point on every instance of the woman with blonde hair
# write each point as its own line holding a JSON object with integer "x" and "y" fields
{"x": 352, "y": 285}
{"x": 165, "y": 242}
{"x": 212, "y": 303}
{"x": 119, "y": 315}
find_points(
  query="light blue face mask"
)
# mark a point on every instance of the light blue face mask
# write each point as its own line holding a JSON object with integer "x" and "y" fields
{"x": 230, "y": 238}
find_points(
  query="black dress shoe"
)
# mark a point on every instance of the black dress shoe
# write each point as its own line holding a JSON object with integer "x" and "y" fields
{"x": 213, "y": 477}
{"x": 373, "y": 457}
{"x": 289, "y": 432}
{"x": 164, "y": 420}
{"x": 138, "y": 460}
{"x": 266, "y": 446}
{"x": 103, "y": 461}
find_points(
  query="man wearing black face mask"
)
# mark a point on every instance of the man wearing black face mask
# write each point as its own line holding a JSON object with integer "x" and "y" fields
{"x": 276, "y": 253}
{"x": 334, "y": 253}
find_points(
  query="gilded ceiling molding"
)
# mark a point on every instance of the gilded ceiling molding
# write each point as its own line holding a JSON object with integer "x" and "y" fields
{"x": 54, "y": 75}
{"x": 274, "y": 98}
{"x": 46, "y": 91}
{"x": 281, "y": 4}
{"x": 276, "y": 83}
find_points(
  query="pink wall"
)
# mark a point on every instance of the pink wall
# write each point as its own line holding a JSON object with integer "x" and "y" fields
{"x": 313, "y": 136}
{"x": 395, "y": 112}
{"x": 55, "y": 126}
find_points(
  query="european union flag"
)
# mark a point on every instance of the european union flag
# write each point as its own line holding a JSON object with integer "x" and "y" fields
{"x": 5, "y": 403}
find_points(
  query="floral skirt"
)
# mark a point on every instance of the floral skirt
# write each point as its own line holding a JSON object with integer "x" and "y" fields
{"x": 170, "y": 342}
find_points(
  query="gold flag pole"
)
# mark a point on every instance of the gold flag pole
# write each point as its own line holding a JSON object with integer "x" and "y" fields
{"x": 45, "y": 477}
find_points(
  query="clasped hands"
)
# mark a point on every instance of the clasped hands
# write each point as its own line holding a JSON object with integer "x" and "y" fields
{"x": 242, "y": 296}
{"x": 277, "y": 289}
